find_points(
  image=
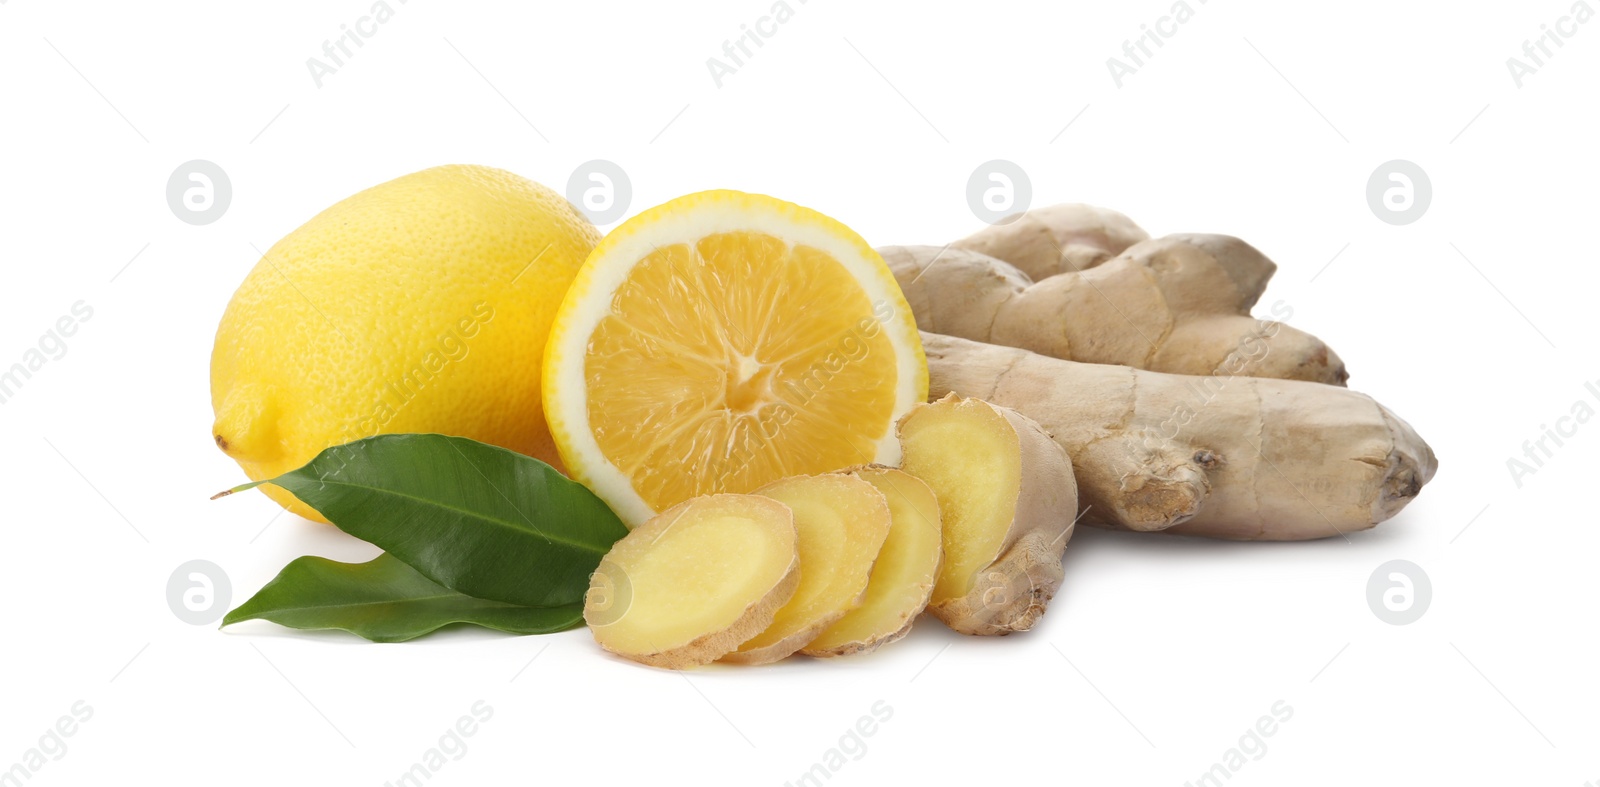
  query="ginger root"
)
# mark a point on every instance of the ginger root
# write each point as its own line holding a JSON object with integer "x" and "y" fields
{"x": 903, "y": 575}
{"x": 1056, "y": 239}
{"x": 1007, "y": 499}
{"x": 1178, "y": 304}
{"x": 1228, "y": 457}
{"x": 695, "y": 581}
{"x": 842, "y": 523}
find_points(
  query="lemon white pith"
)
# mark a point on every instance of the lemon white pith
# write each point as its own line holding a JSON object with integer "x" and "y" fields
{"x": 722, "y": 341}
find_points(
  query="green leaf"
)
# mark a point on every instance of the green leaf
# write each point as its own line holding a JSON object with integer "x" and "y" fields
{"x": 385, "y": 600}
{"x": 477, "y": 519}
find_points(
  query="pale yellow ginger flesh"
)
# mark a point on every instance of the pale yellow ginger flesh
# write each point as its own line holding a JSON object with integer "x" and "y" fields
{"x": 695, "y": 581}
{"x": 1056, "y": 239}
{"x": 1007, "y": 500}
{"x": 842, "y": 522}
{"x": 1179, "y": 304}
{"x": 1222, "y": 456}
{"x": 903, "y": 576}
{"x": 978, "y": 506}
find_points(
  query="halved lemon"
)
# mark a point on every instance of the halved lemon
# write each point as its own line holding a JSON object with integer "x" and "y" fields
{"x": 723, "y": 341}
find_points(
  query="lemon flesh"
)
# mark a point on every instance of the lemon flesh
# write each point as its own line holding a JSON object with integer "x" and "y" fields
{"x": 723, "y": 341}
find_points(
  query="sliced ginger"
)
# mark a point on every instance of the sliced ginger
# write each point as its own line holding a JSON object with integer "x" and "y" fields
{"x": 695, "y": 581}
{"x": 842, "y": 523}
{"x": 1007, "y": 498}
{"x": 903, "y": 575}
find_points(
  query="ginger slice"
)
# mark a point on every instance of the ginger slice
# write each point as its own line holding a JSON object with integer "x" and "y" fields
{"x": 842, "y": 523}
{"x": 695, "y": 581}
{"x": 1007, "y": 498}
{"x": 903, "y": 576}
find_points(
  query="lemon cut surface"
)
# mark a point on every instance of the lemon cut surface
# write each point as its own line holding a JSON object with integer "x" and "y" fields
{"x": 723, "y": 341}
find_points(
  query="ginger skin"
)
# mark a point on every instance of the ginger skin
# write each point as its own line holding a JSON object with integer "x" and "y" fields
{"x": 1008, "y": 500}
{"x": 1227, "y": 457}
{"x": 1056, "y": 239}
{"x": 1179, "y": 304}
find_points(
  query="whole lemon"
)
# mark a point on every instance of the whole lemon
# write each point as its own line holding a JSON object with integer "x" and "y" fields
{"x": 418, "y": 305}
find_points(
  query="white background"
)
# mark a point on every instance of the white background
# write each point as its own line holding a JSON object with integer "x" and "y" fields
{"x": 1257, "y": 119}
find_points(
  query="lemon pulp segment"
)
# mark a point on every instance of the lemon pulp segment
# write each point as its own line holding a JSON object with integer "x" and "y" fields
{"x": 734, "y": 360}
